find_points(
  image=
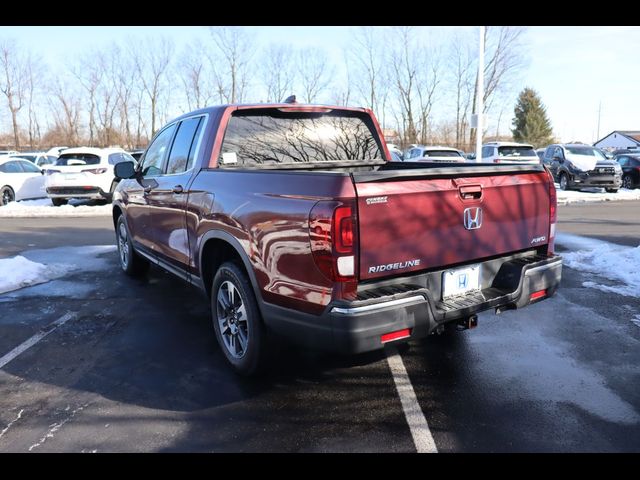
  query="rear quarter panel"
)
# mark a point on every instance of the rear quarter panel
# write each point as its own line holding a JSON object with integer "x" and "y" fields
{"x": 271, "y": 227}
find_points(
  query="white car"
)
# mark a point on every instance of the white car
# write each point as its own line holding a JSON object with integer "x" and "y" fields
{"x": 509, "y": 152}
{"x": 434, "y": 154}
{"x": 20, "y": 180}
{"x": 84, "y": 172}
{"x": 39, "y": 158}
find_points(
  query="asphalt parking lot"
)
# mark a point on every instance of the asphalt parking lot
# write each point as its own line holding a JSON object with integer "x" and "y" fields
{"x": 132, "y": 365}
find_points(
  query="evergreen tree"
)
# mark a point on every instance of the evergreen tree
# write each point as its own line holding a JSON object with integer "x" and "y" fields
{"x": 531, "y": 124}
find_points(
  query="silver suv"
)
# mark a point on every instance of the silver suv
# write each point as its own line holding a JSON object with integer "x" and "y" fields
{"x": 509, "y": 152}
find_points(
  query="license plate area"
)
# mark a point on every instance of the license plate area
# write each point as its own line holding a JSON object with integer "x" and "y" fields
{"x": 460, "y": 280}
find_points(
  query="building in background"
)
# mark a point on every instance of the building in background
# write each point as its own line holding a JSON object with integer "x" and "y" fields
{"x": 619, "y": 139}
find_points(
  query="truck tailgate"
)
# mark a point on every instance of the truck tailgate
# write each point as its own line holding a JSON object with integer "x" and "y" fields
{"x": 414, "y": 222}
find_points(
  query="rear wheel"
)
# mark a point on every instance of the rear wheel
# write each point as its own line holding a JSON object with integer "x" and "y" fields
{"x": 237, "y": 321}
{"x": 132, "y": 264}
{"x": 57, "y": 202}
{"x": 627, "y": 182}
{"x": 564, "y": 181}
{"x": 611, "y": 190}
{"x": 6, "y": 195}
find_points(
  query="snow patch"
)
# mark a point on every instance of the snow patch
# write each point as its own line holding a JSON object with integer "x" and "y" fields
{"x": 595, "y": 195}
{"x": 618, "y": 263}
{"x": 44, "y": 208}
{"x": 18, "y": 272}
{"x": 39, "y": 266}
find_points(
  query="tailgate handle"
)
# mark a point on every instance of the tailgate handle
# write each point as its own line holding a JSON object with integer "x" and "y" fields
{"x": 470, "y": 192}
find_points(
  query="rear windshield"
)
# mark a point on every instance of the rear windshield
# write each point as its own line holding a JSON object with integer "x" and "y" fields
{"x": 69, "y": 159}
{"x": 271, "y": 137}
{"x": 516, "y": 152}
{"x": 441, "y": 153}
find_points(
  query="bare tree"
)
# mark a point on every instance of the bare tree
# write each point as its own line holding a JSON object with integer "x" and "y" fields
{"x": 195, "y": 75}
{"x": 277, "y": 71}
{"x": 404, "y": 71}
{"x": 35, "y": 73}
{"x": 314, "y": 73}
{"x": 460, "y": 66}
{"x": 503, "y": 60}
{"x": 234, "y": 49}
{"x": 368, "y": 58}
{"x": 65, "y": 105}
{"x": 14, "y": 67}
{"x": 152, "y": 58}
{"x": 88, "y": 73}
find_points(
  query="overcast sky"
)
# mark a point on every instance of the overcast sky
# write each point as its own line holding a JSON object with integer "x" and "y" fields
{"x": 572, "y": 68}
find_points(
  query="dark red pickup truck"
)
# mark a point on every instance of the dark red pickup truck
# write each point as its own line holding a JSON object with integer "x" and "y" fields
{"x": 294, "y": 221}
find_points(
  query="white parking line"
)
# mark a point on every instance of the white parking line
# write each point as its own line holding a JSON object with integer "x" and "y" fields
{"x": 422, "y": 438}
{"x": 35, "y": 339}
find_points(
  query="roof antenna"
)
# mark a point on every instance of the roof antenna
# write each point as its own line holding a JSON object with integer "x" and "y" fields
{"x": 291, "y": 99}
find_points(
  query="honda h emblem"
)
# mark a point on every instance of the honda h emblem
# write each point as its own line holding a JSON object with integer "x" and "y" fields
{"x": 472, "y": 218}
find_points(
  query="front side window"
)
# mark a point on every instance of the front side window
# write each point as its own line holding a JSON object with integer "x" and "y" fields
{"x": 184, "y": 146}
{"x": 29, "y": 167}
{"x": 623, "y": 161}
{"x": 558, "y": 153}
{"x": 154, "y": 157}
{"x": 272, "y": 137}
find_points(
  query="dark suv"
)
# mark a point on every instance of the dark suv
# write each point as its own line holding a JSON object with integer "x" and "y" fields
{"x": 576, "y": 166}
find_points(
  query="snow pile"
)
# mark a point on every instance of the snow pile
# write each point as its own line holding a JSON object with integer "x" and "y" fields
{"x": 44, "y": 208}
{"x": 595, "y": 195}
{"x": 618, "y": 263}
{"x": 43, "y": 265}
{"x": 18, "y": 272}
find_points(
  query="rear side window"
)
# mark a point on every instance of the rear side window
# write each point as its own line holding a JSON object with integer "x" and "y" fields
{"x": 486, "y": 151}
{"x": 184, "y": 146}
{"x": 70, "y": 159}
{"x": 516, "y": 152}
{"x": 271, "y": 137}
{"x": 10, "y": 167}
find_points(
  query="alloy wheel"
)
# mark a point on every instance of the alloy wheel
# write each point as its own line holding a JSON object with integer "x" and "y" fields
{"x": 232, "y": 319}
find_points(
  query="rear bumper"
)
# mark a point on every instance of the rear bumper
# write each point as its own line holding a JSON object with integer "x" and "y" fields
{"x": 354, "y": 327}
{"x": 95, "y": 193}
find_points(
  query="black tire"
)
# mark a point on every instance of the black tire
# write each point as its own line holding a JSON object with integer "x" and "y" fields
{"x": 237, "y": 320}
{"x": 564, "y": 182}
{"x": 6, "y": 195}
{"x": 611, "y": 190}
{"x": 627, "y": 182}
{"x": 57, "y": 202}
{"x": 131, "y": 263}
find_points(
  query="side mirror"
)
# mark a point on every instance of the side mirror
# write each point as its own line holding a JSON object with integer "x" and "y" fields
{"x": 124, "y": 170}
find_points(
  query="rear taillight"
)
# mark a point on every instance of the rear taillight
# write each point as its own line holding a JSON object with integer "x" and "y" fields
{"x": 553, "y": 214}
{"x": 332, "y": 233}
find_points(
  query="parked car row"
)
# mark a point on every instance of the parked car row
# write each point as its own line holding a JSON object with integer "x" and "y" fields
{"x": 61, "y": 174}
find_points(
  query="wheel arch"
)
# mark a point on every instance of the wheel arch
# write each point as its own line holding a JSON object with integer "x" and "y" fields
{"x": 218, "y": 246}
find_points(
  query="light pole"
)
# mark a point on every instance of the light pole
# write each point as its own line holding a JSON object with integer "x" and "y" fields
{"x": 479, "y": 98}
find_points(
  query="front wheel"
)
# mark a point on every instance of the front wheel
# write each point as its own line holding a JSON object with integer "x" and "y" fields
{"x": 627, "y": 182}
{"x": 6, "y": 195}
{"x": 131, "y": 263}
{"x": 564, "y": 182}
{"x": 237, "y": 321}
{"x": 611, "y": 190}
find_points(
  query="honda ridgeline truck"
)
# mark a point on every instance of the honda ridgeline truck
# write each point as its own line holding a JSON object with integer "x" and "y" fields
{"x": 295, "y": 222}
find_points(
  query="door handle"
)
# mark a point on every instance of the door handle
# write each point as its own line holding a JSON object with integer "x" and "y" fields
{"x": 178, "y": 189}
